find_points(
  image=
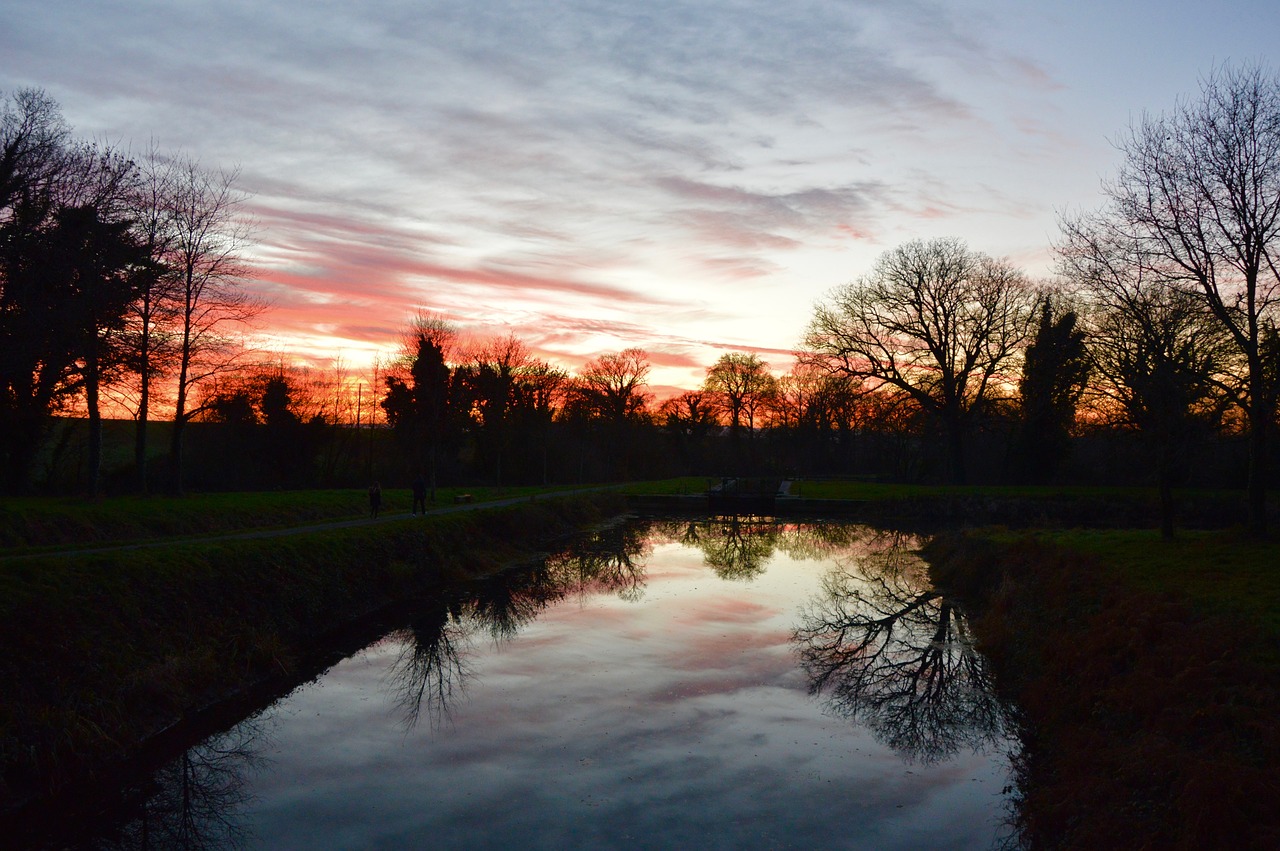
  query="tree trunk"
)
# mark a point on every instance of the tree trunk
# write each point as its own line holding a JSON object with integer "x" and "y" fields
{"x": 95, "y": 425}
{"x": 432, "y": 456}
{"x": 144, "y": 410}
{"x": 1257, "y": 483}
{"x": 1164, "y": 475}
{"x": 175, "y": 439}
{"x": 955, "y": 450}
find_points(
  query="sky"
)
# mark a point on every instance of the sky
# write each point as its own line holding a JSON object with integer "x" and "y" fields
{"x": 684, "y": 176}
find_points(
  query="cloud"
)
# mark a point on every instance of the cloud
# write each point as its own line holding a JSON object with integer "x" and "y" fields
{"x": 632, "y": 174}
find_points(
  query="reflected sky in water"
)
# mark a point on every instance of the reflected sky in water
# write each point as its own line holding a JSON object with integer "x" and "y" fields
{"x": 643, "y": 694}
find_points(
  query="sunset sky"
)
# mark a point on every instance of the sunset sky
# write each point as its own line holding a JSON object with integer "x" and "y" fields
{"x": 687, "y": 177}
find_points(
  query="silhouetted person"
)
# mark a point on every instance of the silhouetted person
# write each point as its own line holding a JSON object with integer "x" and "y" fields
{"x": 420, "y": 494}
{"x": 375, "y": 500}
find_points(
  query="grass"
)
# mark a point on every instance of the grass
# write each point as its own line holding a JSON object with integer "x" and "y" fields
{"x": 1145, "y": 674}
{"x": 669, "y": 487}
{"x": 1221, "y": 571}
{"x": 29, "y": 524}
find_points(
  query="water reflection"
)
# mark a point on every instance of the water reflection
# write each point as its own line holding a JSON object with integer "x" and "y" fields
{"x": 735, "y": 547}
{"x": 198, "y": 800}
{"x": 713, "y": 711}
{"x": 739, "y": 547}
{"x": 431, "y": 669}
{"x": 610, "y": 560}
{"x": 890, "y": 652}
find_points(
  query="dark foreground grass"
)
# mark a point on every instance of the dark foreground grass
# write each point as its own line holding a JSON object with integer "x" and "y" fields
{"x": 1221, "y": 572}
{"x": 103, "y": 651}
{"x": 39, "y": 522}
{"x": 1146, "y": 677}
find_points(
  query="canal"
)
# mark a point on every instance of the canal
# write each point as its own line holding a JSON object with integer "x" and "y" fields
{"x": 728, "y": 683}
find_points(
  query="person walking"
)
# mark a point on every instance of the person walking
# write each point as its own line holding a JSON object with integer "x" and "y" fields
{"x": 375, "y": 500}
{"x": 420, "y": 494}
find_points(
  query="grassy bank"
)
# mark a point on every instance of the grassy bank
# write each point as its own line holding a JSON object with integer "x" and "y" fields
{"x": 103, "y": 651}
{"x": 43, "y": 522}
{"x": 1219, "y": 572}
{"x": 1146, "y": 675}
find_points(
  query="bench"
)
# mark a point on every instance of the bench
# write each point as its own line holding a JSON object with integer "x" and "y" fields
{"x": 462, "y": 497}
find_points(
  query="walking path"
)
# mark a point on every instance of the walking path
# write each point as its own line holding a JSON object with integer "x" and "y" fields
{"x": 302, "y": 530}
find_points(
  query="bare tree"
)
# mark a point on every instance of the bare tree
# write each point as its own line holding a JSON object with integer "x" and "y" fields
{"x": 150, "y": 334}
{"x": 934, "y": 320}
{"x": 492, "y": 375}
{"x": 691, "y": 415}
{"x": 540, "y": 393}
{"x": 611, "y": 387}
{"x": 1199, "y": 193}
{"x": 741, "y": 384}
{"x": 34, "y": 139}
{"x": 205, "y": 257}
{"x": 1160, "y": 360}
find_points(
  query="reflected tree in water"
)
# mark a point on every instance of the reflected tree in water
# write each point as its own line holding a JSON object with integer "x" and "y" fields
{"x": 609, "y": 561}
{"x": 813, "y": 541}
{"x": 198, "y": 800}
{"x": 734, "y": 546}
{"x": 431, "y": 669}
{"x": 890, "y": 652}
{"x": 504, "y": 603}
{"x": 740, "y": 546}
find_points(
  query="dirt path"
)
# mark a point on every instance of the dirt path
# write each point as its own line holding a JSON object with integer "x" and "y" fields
{"x": 302, "y": 530}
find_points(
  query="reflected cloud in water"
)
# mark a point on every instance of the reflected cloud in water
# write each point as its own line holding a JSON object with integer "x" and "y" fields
{"x": 621, "y": 692}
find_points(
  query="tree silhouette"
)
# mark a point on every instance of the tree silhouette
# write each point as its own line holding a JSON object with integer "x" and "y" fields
{"x": 67, "y": 273}
{"x": 198, "y": 799}
{"x": 431, "y": 671}
{"x": 423, "y": 406}
{"x": 1161, "y": 362}
{"x": 740, "y": 386}
{"x": 148, "y": 337}
{"x": 1054, "y": 372}
{"x": 1198, "y": 193}
{"x": 611, "y": 387}
{"x": 100, "y": 265}
{"x": 935, "y": 320}
{"x": 204, "y": 256}
{"x": 689, "y": 419}
{"x": 608, "y": 561}
{"x": 734, "y": 546}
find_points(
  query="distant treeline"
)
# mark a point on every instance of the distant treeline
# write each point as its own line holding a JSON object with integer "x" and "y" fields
{"x": 279, "y": 428}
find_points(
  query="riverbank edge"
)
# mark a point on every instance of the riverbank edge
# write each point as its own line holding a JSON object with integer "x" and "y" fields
{"x": 106, "y": 652}
{"x": 1145, "y": 723}
{"x": 1051, "y": 510}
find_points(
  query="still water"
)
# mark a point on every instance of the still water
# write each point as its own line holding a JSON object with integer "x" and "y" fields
{"x": 721, "y": 683}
